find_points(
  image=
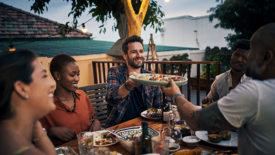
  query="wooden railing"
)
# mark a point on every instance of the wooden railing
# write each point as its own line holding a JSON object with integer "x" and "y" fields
{"x": 100, "y": 69}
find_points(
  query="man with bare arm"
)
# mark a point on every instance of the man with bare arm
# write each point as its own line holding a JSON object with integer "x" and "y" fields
{"x": 250, "y": 106}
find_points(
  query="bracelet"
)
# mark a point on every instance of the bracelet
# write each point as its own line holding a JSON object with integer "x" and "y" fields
{"x": 127, "y": 86}
{"x": 175, "y": 97}
{"x": 40, "y": 137}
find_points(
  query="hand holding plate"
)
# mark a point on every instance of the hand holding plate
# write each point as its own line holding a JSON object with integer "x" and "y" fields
{"x": 172, "y": 89}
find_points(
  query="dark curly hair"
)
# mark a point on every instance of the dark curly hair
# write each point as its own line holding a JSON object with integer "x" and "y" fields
{"x": 58, "y": 62}
{"x": 14, "y": 66}
{"x": 131, "y": 39}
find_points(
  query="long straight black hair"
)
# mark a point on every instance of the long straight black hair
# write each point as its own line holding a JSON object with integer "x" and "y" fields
{"x": 14, "y": 66}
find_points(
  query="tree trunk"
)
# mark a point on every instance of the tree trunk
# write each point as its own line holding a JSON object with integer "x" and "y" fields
{"x": 134, "y": 22}
{"x": 116, "y": 50}
{"x": 122, "y": 26}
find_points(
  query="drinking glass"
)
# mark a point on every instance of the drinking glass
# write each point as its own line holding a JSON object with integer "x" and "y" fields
{"x": 171, "y": 122}
{"x": 85, "y": 142}
{"x": 160, "y": 147}
{"x": 99, "y": 151}
{"x": 175, "y": 133}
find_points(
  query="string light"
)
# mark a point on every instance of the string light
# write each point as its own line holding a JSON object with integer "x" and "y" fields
{"x": 167, "y": 1}
{"x": 84, "y": 29}
{"x": 12, "y": 48}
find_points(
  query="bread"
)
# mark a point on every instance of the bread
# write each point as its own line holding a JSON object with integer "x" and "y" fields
{"x": 226, "y": 135}
{"x": 215, "y": 138}
{"x": 195, "y": 151}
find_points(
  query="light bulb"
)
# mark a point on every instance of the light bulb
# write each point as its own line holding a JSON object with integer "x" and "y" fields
{"x": 84, "y": 30}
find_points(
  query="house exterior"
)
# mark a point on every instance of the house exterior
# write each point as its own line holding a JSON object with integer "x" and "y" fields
{"x": 191, "y": 31}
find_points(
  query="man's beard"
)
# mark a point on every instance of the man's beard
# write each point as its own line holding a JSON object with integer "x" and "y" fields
{"x": 253, "y": 71}
{"x": 132, "y": 63}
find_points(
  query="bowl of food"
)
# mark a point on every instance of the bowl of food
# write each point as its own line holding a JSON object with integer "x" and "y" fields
{"x": 127, "y": 136}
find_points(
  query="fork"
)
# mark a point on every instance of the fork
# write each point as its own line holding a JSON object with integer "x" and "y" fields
{"x": 116, "y": 134}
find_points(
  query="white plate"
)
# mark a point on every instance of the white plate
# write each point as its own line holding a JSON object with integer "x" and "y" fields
{"x": 97, "y": 136}
{"x": 144, "y": 114}
{"x": 190, "y": 139}
{"x": 232, "y": 142}
{"x": 155, "y": 83}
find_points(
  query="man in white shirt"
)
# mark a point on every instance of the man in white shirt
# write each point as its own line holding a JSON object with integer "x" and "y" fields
{"x": 250, "y": 107}
{"x": 230, "y": 79}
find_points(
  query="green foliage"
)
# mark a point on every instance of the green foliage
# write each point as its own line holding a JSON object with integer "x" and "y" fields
{"x": 222, "y": 55}
{"x": 243, "y": 16}
{"x": 183, "y": 57}
{"x": 64, "y": 29}
{"x": 103, "y": 10}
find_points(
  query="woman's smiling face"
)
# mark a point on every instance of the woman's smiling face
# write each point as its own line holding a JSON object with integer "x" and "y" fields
{"x": 69, "y": 76}
{"x": 41, "y": 90}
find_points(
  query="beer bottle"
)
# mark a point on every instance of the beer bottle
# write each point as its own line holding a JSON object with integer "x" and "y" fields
{"x": 146, "y": 141}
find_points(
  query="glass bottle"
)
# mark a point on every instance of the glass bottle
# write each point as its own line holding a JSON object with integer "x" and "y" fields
{"x": 146, "y": 140}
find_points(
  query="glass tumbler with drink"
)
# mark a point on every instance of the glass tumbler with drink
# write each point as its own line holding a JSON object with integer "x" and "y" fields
{"x": 85, "y": 142}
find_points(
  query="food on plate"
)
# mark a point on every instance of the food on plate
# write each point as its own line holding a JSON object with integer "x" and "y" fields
{"x": 184, "y": 129}
{"x": 160, "y": 77}
{"x": 215, "y": 138}
{"x": 154, "y": 113}
{"x": 221, "y": 135}
{"x": 87, "y": 141}
{"x": 195, "y": 151}
{"x": 130, "y": 134}
{"x": 226, "y": 135}
{"x": 104, "y": 138}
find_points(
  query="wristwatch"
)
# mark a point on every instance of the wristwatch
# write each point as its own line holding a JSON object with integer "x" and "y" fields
{"x": 175, "y": 97}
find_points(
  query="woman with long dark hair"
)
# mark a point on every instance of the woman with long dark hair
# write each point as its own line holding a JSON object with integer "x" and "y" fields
{"x": 26, "y": 95}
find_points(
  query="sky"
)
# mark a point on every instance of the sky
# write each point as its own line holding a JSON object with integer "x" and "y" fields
{"x": 58, "y": 11}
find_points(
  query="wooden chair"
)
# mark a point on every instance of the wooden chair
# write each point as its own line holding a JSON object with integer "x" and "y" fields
{"x": 97, "y": 93}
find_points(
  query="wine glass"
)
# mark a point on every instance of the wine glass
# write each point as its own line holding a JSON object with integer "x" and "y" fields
{"x": 176, "y": 135}
{"x": 171, "y": 121}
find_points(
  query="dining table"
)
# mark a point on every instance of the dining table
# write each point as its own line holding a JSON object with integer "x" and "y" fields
{"x": 158, "y": 125}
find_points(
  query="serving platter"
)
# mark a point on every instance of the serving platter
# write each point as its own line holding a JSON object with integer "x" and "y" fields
{"x": 232, "y": 142}
{"x": 158, "y": 79}
{"x": 130, "y": 132}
